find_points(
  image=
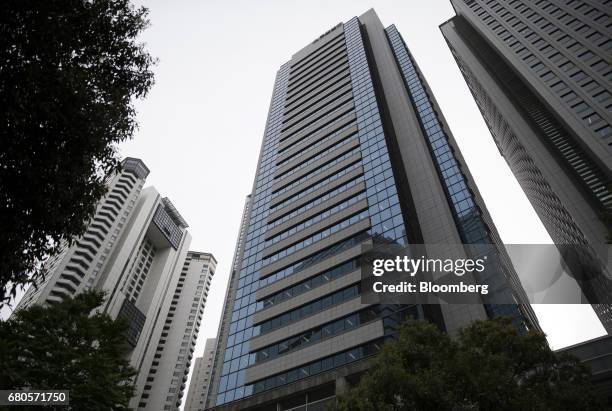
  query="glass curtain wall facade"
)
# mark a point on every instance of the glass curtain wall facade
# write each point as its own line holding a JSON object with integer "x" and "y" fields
{"x": 470, "y": 221}
{"x": 333, "y": 175}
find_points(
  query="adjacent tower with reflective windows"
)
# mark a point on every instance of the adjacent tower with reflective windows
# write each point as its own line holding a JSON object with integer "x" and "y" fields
{"x": 540, "y": 73}
{"x": 355, "y": 152}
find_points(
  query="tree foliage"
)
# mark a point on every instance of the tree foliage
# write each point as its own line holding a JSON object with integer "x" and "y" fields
{"x": 69, "y": 72}
{"x": 488, "y": 366}
{"x": 64, "y": 346}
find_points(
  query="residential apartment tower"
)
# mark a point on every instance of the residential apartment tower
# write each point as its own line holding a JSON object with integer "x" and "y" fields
{"x": 200, "y": 378}
{"x": 135, "y": 248}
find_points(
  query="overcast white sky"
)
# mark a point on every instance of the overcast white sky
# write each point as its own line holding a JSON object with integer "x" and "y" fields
{"x": 202, "y": 124}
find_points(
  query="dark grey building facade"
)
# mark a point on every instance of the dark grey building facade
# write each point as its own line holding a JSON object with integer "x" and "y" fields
{"x": 596, "y": 354}
{"x": 355, "y": 152}
{"x": 540, "y": 73}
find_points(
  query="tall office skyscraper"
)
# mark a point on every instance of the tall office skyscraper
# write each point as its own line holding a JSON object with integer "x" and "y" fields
{"x": 540, "y": 73}
{"x": 136, "y": 249}
{"x": 355, "y": 151}
{"x": 233, "y": 283}
{"x": 200, "y": 378}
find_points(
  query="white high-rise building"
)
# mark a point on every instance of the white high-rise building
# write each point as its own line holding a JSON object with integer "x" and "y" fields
{"x": 87, "y": 261}
{"x": 164, "y": 384}
{"x": 135, "y": 249}
{"x": 198, "y": 388}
